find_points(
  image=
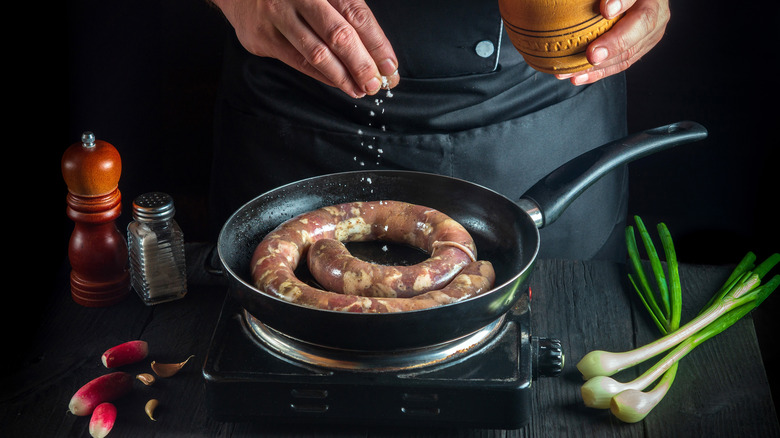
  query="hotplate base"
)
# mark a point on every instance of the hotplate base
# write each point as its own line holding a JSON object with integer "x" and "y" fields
{"x": 489, "y": 387}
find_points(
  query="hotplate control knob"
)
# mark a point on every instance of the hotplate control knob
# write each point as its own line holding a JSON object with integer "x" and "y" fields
{"x": 548, "y": 357}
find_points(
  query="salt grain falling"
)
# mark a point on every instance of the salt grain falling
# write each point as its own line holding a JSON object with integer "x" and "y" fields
{"x": 371, "y": 113}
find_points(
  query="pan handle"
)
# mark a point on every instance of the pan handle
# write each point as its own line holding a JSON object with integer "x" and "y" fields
{"x": 548, "y": 198}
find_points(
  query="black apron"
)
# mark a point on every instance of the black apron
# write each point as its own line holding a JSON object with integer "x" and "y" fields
{"x": 467, "y": 106}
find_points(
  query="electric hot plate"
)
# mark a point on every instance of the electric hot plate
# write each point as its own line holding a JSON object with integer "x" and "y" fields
{"x": 482, "y": 380}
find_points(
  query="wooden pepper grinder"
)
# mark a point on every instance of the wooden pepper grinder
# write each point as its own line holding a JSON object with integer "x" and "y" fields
{"x": 97, "y": 250}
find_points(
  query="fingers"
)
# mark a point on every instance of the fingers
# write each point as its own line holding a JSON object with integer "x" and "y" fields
{"x": 329, "y": 45}
{"x": 640, "y": 29}
{"x": 612, "y": 8}
{"x": 342, "y": 42}
{"x": 256, "y": 24}
{"x": 359, "y": 16}
{"x": 352, "y": 36}
{"x": 338, "y": 42}
{"x": 284, "y": 51}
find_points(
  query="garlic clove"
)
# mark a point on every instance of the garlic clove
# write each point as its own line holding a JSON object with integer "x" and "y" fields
{"x": 151, "y": 405}
{"x": 168, "y": 369}
{"x": 146, "y": 378}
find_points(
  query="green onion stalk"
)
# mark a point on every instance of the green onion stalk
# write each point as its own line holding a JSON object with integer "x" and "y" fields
{"x": 632, "y": 405}
{"x": 635, "y": 404}
{"x": 740, "y": 294}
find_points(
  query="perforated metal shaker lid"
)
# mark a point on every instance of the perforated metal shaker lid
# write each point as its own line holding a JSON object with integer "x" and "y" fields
{"x": 153, "y": 206}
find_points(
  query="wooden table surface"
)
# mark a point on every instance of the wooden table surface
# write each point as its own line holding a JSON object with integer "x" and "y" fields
{"x": 721, "y": 388}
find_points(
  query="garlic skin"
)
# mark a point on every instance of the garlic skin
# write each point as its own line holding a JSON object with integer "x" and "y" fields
{"x": 168, "y": 369}
{"x": 146, "y": 378}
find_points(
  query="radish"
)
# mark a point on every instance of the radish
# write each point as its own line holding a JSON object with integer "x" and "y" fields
{"x": 124, "y": 354}
{"x": 103, "y": 418}
{"x": 101, "y": 389}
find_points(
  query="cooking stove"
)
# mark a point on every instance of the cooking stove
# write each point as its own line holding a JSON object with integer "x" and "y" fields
{"x": 482, "y": 380}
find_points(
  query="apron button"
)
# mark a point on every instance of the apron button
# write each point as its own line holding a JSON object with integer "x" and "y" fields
{"x": 485, "y": 48}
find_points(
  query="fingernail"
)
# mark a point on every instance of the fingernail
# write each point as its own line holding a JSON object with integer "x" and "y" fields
{"x": 598, "y": 55}
{"x": 613, "y": 8}
{"x": 581, "y": 79}
{"x": 387, "y": 67}
{"x": 373, "y": 86}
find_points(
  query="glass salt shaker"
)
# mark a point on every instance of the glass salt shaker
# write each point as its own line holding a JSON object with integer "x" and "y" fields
{"x": 156, "y": 246}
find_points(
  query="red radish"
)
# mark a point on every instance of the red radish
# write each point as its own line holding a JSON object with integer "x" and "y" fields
{"x": 126, "y": 353}
{"x": 103, "y": 418}
{"x": 102, "y": 389}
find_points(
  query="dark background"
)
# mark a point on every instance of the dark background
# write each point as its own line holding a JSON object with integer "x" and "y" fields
{"x": 143, "y": 75}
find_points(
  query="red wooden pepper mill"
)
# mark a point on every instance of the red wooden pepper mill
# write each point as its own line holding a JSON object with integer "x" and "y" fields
{"x": 97, "y": 251}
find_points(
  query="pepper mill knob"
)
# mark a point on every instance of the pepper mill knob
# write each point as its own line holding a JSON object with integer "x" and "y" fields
{"x": 97, "y": 251}
{"x": 92, "y": 167}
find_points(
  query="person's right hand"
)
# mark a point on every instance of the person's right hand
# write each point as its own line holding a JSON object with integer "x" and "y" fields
{"x": 338, "y": 42}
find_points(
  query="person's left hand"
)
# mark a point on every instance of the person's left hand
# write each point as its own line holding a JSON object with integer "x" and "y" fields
{"x": 627, "y": 41}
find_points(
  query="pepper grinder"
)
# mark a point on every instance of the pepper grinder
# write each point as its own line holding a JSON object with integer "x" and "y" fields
{"x": 97, "y": 251}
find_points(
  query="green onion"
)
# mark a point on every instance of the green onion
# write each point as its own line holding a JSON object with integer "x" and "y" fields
{"x": 741, "y": 293}
{"x": 633, "y": 405}
{"x": 604, "y": 363}
{"x": 641, "y": 285}
{"x": 675, "y": 290}
{"x": 601, "y": 389}
{"x": 745, "y": 265}
{"x": 655, "y": 264}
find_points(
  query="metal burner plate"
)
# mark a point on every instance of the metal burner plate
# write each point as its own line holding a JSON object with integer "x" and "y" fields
{"x": 371, "y": 361}
{"x": 481, "y": 381}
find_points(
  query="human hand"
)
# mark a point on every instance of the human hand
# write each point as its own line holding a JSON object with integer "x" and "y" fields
{"x": 627, "y": 41}
{"x": 337, "y": 42}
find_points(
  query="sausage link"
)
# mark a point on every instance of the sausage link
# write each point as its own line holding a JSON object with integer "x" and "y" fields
{"x": 450, "y": 245}
{"x": 335, "y": 269}
{"x": 476, "y": 278}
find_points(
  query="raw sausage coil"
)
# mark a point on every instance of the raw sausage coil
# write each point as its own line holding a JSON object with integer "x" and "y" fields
{"x": 336, "y": 270}
{"x": 450, "y": 274}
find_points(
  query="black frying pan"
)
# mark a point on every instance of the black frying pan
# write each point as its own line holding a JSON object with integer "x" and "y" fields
{"x": 505, "y": 232}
